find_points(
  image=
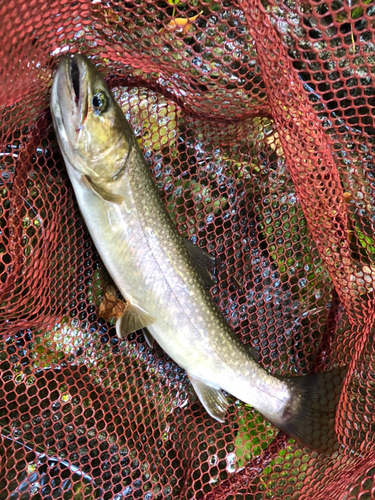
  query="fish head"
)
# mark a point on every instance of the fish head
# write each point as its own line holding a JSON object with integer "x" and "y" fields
{"x": 92, "y": 130}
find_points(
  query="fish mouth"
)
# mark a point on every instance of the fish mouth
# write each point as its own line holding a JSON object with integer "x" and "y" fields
{"x": 69, "y": 98}
{"x": 74, "y": 77}
{"x": 77, "y": 79}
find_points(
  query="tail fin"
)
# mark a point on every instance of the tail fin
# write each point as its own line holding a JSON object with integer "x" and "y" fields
{"x": 310, "y": 417}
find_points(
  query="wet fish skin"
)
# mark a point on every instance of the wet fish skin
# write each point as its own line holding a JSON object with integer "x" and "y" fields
{"x": 153, "y": 268}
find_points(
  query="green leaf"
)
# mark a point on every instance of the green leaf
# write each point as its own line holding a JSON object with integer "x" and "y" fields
{"x": 267, "y": 470}
{"x": 357, "y": 12}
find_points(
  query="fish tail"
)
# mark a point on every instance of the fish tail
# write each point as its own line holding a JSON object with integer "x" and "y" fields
{"x": 310, "y": 416}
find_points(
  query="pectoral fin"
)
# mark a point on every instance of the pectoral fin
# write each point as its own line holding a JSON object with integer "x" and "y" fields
{"x": 133, "y": 319}
{"x": 105, "y": 194}
{"x": 203, "y": 262}
{"x": 212, "y": 399}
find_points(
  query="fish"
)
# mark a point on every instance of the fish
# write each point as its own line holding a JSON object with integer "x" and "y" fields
{"x": 165, "y": 278}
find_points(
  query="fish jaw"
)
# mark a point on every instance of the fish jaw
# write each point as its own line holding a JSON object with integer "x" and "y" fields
{"x": 69, "y": 101}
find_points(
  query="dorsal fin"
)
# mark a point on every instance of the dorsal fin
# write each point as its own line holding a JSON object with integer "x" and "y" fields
{"x": 203, "y": 262}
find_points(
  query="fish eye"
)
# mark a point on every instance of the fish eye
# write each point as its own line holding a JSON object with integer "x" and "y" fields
{"x": 100, "y": 102}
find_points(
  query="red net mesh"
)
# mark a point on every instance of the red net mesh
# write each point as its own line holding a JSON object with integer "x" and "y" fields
{"x": 256, "y": 120}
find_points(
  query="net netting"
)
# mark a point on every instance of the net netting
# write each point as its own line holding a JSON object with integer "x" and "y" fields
{"x": 256, "y": 120}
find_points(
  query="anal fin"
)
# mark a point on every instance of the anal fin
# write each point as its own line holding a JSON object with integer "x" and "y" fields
{"x": 212, "y": 399}
{"x": 104, "y": 193}
{"x": 133, "y": 319}
{"x": 203, "y": 262}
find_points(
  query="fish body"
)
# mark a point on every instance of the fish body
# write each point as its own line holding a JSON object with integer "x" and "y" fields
{"x": 156, "y": 271}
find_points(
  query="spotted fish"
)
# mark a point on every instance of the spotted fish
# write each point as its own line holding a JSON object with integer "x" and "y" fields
{"x": 163, "y": 277}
